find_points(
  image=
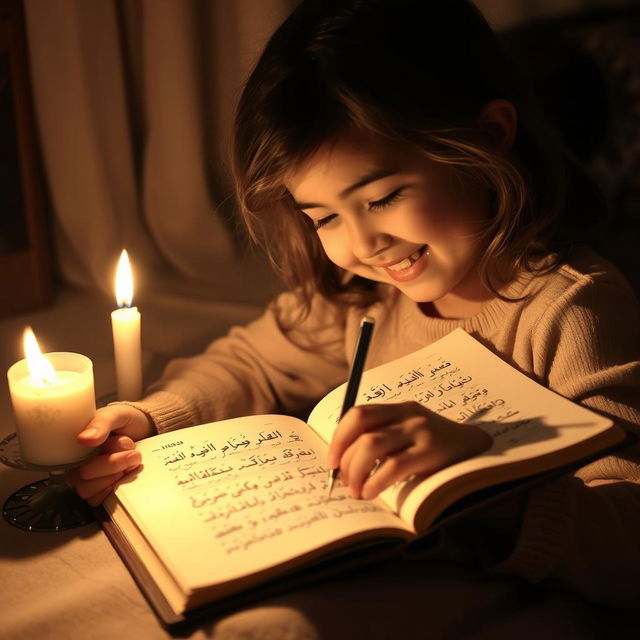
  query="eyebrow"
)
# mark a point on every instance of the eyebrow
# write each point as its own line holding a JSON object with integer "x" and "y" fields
{"x": 377, "y": 174}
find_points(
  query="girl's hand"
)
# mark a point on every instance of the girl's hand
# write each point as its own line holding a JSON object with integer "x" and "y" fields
{"x": 398, "y": 440}
{"x": 114, "y": 429}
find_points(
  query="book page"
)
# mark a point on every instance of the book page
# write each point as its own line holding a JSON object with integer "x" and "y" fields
{"x": 227, "y": 499}
{"x": 460, "y": 379}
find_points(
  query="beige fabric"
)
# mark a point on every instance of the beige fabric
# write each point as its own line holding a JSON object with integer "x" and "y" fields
{"x": 134, "y": 103}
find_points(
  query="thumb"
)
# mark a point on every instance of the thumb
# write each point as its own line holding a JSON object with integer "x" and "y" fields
{"x": 97, "y": 430}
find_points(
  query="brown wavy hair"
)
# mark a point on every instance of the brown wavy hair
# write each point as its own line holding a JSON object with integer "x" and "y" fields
{"x": 415, "y": 73}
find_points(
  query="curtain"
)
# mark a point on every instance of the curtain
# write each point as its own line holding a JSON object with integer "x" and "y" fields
{"x": 134, "y": 101}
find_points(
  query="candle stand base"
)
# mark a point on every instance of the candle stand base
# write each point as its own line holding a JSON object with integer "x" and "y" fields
{"x": 45, "y": 505}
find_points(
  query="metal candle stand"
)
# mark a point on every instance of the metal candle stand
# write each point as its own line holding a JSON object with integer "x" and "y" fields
{"x": 45, "y": 505}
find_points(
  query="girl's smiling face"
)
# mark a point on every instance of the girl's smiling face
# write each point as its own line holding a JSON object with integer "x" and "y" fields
{"x": 394, "y": 216}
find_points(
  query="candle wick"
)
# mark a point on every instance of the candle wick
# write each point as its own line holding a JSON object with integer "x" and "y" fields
{"x": 42, "y": 381}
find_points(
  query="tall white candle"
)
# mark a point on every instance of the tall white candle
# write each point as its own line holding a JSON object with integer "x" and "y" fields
{"x": 53, "y": 399}
{"x": 125, "y": 323}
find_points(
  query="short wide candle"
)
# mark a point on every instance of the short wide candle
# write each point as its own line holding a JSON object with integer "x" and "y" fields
{"x": 49, "y": 415}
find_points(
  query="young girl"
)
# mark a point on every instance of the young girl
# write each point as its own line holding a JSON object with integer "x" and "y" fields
{"x": 391, "y": 164}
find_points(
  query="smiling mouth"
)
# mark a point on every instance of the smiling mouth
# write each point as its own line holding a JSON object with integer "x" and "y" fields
{"x": 407, "y": 262}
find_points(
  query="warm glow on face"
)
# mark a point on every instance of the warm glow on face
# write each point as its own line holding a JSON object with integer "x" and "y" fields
{"x": 394, "y": 216}
{"x": 124, "y": 281}
{"x": 40, "y": 369}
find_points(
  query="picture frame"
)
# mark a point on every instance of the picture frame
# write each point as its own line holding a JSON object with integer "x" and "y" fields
{"x": 25, "y": 263}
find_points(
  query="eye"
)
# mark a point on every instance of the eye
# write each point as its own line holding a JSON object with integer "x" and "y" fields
{"x": 376, "y": 205}
{"x": 320, "y": 222}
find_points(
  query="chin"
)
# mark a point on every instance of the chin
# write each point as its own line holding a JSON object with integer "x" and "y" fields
{"x": 423, "y": 293}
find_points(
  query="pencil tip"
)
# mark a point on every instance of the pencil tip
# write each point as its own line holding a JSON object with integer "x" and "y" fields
{"x": 332, "y": 477}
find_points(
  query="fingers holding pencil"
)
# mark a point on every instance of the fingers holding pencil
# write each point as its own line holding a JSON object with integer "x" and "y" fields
{"x": 378, "y": 445}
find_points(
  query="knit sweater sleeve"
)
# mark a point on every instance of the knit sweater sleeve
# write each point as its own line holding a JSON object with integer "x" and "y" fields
{"x": 256, "y": 369}
{"x": 583, "y": 530}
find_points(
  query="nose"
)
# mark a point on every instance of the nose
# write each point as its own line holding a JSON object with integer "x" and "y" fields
{"x": 366, "y": 239}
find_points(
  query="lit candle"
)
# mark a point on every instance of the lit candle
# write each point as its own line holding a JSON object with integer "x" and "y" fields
{"x": 125, "y": 323}
{"x": 53, "y": 399}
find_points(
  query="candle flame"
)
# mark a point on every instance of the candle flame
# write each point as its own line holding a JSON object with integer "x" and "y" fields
{"x": 40, "y": 369}
{"x": 124, "y": 281}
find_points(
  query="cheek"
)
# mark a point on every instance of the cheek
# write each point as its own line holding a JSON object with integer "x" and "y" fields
{"x": 446, "y": 206}
{"x": 336, "y": 248}
{"x": 446, "y": 220}
{"x": 421, "y": 222}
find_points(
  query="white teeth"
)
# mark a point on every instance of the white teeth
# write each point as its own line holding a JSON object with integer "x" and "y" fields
{"x": 406, "y": 263}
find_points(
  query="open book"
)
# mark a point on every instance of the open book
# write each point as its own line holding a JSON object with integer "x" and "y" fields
{"x": 219, "y": 509}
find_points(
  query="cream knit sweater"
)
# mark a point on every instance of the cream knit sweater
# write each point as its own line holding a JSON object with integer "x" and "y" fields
{"x": 576, "y": 331}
